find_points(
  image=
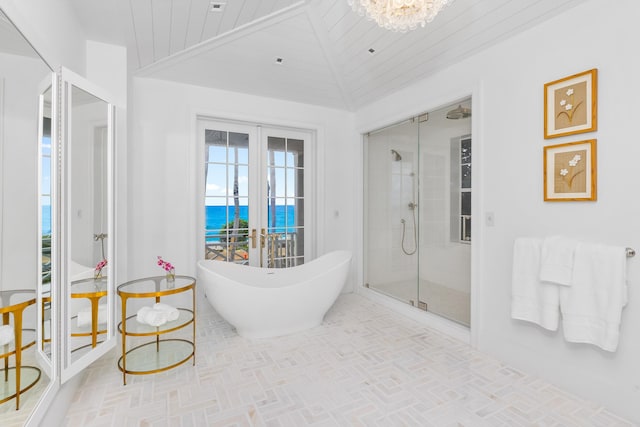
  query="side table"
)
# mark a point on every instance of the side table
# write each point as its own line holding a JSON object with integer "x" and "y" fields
{"x": 93, "y": 290}
{"x": 159, "y": 354}
{"x": 19, "y": 378}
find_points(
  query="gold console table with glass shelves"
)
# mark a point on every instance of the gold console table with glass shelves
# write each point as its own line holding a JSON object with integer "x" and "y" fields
{"x": 160, "y": 354}
{"x": 17, "y": 379}
{"x": 92, "y": 289}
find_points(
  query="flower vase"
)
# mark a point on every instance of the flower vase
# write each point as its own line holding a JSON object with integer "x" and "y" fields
{"x": 97, "y": 274}
{"x": 171, "y": 278}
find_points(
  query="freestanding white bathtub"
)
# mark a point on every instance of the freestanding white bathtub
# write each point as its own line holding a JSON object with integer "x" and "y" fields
{"x": 269, "y": 302}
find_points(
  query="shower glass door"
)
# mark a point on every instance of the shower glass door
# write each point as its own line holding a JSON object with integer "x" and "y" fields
{"x": 393, "y": 210}
{"x": 418, "y": 211}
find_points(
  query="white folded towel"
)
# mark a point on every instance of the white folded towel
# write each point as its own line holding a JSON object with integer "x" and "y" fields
{"x": 531, "y": 299}
{"x": 172, "y": 312}
{"x": 152, "y": 317}
{"x": 84, "y": 316}
{"x": 141, "y": 316}
{"x": 557, "y": 260}
{"x": 6, "y": 334}
{"x": 592, "y": 306}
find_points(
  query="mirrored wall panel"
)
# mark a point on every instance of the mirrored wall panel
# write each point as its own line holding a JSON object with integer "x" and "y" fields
{"x": 26, "y": 373}
{"x": 87, "y": 206}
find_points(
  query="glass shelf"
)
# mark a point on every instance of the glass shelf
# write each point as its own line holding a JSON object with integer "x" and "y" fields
{"x": 29, "y": 375}
{"x": 135, "y": 328}
{"x": 153, "y": 286}
{"x": 82, "y": 288}
{"x": 84, "y": 331}
{"x": 155, "y": 357}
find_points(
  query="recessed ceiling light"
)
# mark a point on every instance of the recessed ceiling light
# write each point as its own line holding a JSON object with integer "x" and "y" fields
{"x": 371, "y": 51}
{"x": 279, "y": 61}
{"x": 216, "y": 6}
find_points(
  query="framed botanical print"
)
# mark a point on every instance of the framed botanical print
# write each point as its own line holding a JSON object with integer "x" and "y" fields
{"x": 570, "y": 105}
{"x": 570, "y": 171}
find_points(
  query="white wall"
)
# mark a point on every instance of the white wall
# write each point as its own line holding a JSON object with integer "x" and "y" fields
{"x": 162, "y": 200}
{"x": 507, "y": 83}
{"x": 50, "y": 27}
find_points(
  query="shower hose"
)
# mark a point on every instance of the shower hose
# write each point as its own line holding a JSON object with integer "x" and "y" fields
{"x": 415, "y": 237}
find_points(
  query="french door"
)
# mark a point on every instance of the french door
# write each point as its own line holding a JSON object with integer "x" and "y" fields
{"x": 255, "y": 194}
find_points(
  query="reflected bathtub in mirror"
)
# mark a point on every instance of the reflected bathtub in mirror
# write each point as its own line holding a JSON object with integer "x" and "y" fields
{"x": 269, "y": 302}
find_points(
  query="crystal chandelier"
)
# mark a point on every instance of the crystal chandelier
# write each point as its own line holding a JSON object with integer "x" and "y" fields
{"x": 399, "y": 15}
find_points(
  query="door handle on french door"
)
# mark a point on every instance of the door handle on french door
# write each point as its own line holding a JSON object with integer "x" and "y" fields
{"x": 253, "y": 238}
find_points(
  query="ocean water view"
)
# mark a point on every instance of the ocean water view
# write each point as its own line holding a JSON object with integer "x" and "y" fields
{"x": 217, "y": 216}
{"x": 46, "y": 219}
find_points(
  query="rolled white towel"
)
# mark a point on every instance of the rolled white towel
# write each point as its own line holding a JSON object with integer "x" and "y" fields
{"x": 172, "y": 312}
{"x": 6, "y": 334}
{"x": 156, "y": 317}
{"x": 152, "y": 317}
{"x": 141, "y": 316}
{"x": 84, "y": 316}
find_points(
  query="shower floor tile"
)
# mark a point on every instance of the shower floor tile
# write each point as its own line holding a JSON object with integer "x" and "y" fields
{"x": 364, "y": 366}
{"x": 441, "y": 300}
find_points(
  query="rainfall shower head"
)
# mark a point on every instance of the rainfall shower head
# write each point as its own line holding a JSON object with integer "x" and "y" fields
{"x": 396, "y": 156}
{"x": 459, "y": 113}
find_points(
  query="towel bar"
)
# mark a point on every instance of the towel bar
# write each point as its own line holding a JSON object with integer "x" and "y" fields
{"x": 631, "y": 252}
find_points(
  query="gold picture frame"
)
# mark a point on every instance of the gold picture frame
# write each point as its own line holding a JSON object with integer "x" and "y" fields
{"x": 570, "y": 105}
{"x": 570, "y": 171}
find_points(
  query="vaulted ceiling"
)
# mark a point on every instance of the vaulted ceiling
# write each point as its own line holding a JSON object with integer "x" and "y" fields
{"x": 312, "y": 51}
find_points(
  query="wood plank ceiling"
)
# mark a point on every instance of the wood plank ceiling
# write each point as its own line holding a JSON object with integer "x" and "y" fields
{"x": 310, "y": 51}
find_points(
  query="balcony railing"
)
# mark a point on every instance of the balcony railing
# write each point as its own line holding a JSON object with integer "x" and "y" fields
{"x": 282, "y": 249}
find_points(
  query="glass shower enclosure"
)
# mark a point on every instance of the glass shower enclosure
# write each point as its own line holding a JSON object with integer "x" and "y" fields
{"x": 417, "y": 225}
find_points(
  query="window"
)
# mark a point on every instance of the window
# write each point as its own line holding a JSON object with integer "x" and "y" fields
{"x": 461, "y": 189}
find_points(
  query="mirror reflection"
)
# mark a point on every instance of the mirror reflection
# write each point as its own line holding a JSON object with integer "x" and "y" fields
{"x": 25, "y": 377}
{"x": 87, "y": 263}
{"x": 46, "y": 222}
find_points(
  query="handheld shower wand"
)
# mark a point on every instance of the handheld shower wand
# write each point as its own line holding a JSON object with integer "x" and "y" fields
{"x": 412, "y": 207}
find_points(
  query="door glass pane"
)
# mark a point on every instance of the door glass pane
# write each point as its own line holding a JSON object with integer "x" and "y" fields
{"x": 285, "y": 202}
{"x": 242, "y": 189}
{"x": 217, "y": 152}
{"x": 289, "y": 213}
{"x": 465, "y": 202}
{"x": 295, "y": 149}
{"x": 226, "y": 196}
{"x": 276, "y": 147}
{"x": 295, "y": 186}
{"x": 277, "y": 182}
{"x": 465, "y": 181}
{"x": 216, "y": 180}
